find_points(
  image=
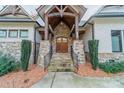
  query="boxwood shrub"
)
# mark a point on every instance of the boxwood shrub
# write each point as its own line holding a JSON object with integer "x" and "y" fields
{"x": 25, "y": 54}
{"x": 93, "y": 52}
{"x": 8, "y": 64}
{"x": 112, "y": 66}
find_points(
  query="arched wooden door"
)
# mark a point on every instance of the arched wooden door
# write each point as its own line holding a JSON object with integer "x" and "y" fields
{"x": 62, "y": 45}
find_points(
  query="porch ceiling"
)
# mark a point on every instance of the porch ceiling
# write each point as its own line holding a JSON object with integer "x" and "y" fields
{"x": 55, "y": 20}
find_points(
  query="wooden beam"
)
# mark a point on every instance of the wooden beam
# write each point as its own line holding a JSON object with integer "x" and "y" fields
{"x": 58, "y": 9}
{"x": 13, "y": 11}
{"x": 46, "y": 27}
{"x": 61, "y": 7}
{"x": 17, "y": 9}
{"x": 58, "y": 14}
{"x": 65, "y": 8}
{"x": 50, "y": 37}
{"x": 48, "y": 11}
{"x": 72, "y": 28}
{"x": 76, "y": 28}
{"x": 52, "y": 31}
{"x": 73, "y": 9}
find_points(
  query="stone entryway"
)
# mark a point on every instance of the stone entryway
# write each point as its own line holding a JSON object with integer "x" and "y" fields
{"x": 61, "y": 62}
{"x": 61, "y": 30}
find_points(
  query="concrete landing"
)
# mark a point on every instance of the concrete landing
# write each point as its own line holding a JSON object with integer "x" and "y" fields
{"x": 71, "y": 80}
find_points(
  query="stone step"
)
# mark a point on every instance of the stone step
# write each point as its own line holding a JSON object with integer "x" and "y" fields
{"x": 61, "y": 62}
{"x": 62, "y": 59}
{"x": 55, "y": 69}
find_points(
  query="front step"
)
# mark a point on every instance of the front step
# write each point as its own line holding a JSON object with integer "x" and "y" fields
{"x": 61, "y": 62}
{"x": 61, "y": 69}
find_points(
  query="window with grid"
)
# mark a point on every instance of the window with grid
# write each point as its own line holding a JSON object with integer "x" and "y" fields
{"x": 13, "y": 33}
{"x": 116, "y": 41}
{"x": 24, "y": 33}
{"x": 3, "y": 33}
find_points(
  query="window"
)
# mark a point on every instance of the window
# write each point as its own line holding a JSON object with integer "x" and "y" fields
{"x": 116, "y": 41}
{"x": 24, "y": 33}
{"x": 13, "y": 33}
{"x": 3, "y": 33}
{"x": 58, "y": 40}
{"x": 65, "y": 40}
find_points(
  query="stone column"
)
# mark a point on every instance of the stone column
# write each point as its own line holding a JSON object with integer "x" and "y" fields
{"x": 43, "y": 50}
{"x": 78, "y": 48}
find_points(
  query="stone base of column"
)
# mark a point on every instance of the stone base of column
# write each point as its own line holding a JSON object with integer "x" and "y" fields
{"x": 43, "y": 51}
{"x": 78, "y": 49}
{"x": 79, "y": 69}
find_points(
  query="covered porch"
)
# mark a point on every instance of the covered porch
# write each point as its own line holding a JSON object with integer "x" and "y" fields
{"x": 62, "y": 31}
{"x": 61, "y": 25}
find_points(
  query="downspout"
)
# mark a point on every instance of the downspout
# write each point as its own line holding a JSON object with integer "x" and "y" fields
{"x": 35, "y": 59}
{"x": 93, "y": 37}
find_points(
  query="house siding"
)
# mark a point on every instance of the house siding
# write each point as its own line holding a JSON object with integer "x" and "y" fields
{"x": 13, "y": 45}
{"x": 103, "y": 27}
{"x": 17, "y": 25}
{"x": 102, "y": 32}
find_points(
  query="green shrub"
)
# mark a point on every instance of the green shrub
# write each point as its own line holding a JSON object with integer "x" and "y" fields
{"x": 8, "y": 64}
{"x": 1, "y": 54}
{"x": 16, "y": 66}
{"x": 93, "y": 52}
{"x": 25, "y": 54}
{"x": 112, "y": 66}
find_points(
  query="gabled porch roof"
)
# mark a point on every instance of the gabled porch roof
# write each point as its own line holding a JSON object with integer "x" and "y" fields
{"x": 80, "y": 9}
{"x": 14, "y": 13}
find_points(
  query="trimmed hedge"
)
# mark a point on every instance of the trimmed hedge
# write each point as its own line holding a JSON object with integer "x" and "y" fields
{"x": 112, "y": 66}
{"x": 93, "y": 52}
{"x": 8, "y": 64}
{"x": 25, "y": 54}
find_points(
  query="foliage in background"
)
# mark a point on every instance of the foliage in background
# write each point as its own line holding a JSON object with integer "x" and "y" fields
{"x": 93, "y": 52}
{"x": 112, "y": 66}
{"x": 8, "y": 64}
{"x": 25, "y": 54}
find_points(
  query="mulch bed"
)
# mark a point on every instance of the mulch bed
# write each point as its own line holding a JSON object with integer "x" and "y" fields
{"x": 22, "y": 79}
{"x": 87, "y": 71}
{"x": 26, "y": 79}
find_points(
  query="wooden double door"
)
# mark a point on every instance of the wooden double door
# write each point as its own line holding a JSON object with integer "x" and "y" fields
{"x": 62, "y": 45}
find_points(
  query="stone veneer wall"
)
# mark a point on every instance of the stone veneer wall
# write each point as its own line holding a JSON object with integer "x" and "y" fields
{"x": 78, "y": 48}
{"x": 43, "y": 50}
{"x": 14, "y": 49}
{"x": 106, "y": 56}
{"x": 54, "y": 45}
